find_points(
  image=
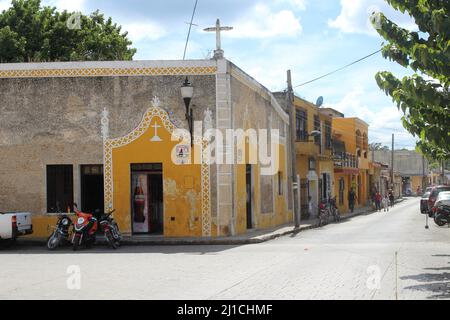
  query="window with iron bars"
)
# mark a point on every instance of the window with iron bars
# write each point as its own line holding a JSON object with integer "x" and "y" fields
{"x": 301, "y": 125}
{"x": 328, "y": 144}
{"x": 317, "y": 128}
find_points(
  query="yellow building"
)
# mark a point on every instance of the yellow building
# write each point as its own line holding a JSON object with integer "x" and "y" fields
{"x": 116, "y": 135}
{"x": 351, "y": 159}
{"x": 354, "y": 168}
{"x": 315, "y": 166}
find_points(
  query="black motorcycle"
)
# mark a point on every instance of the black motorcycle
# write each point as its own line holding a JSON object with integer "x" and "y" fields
{"x": 111, "y": 230}
{"x": 61, "y": 234}
{"x": 442, "y": 215}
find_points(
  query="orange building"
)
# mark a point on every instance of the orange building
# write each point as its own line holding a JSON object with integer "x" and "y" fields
{"x": 351, "y": 156}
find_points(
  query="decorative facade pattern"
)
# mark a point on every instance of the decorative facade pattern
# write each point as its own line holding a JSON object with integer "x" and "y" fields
{"x": 110, "y": 144}
{"x": 105, "y": 72}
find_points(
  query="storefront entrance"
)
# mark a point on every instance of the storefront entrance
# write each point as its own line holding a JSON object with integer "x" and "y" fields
{"x": 147, "y": 199}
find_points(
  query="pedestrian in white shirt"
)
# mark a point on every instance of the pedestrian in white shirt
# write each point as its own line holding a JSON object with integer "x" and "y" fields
{"x": 386, "y": 203}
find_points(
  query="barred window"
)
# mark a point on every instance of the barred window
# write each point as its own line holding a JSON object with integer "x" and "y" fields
{"x": 301, "y": 125}
{"x": 59, "y": 187}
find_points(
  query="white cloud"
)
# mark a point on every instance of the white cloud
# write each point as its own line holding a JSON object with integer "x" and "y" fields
{"x": 138, "y": 31}
{"x": 296, "y": 4}
{"x": 355, "y": 14}
{"x": 69, "y": 5}
{"x": 261, "y": 22}
{"x": 382, "y": 122}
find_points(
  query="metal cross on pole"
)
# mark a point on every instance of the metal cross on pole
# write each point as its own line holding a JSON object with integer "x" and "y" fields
{"x": 218, "y": 53}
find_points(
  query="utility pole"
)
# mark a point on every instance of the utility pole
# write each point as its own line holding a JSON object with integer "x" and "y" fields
{"x": 295, "y": 183}
{"x": 423, "y": 173}
{"x": 443, "y": 172}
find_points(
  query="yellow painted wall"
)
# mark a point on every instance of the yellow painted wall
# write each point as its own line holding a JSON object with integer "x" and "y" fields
{"x": 327, "y": 166}
{"x": 181, "y": 184}
{"x": 281, "y": 214}
{"x": 343, "y": 208}
{"x": 416, "y": 181}
{"x": 42, "y": 226}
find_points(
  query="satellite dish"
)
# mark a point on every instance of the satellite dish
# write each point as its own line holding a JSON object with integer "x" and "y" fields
{"x": 319, "y": 102}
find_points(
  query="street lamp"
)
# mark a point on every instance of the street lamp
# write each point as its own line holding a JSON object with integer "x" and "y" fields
{"x": 314, "y": 133}
{"x": 187, "y": 91}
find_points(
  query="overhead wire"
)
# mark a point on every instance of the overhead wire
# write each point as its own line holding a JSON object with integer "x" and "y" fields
{"x": 190, "y": 27}
{"x": 337, "y": 70}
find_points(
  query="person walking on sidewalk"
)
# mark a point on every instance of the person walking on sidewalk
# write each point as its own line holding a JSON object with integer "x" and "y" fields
{"x": 351, "y": 200}
{"x": 386, "y": 203}
{"x": 391, "y": 198}
{"x": 378, "y": 199}
{"x": 310, "y": 207}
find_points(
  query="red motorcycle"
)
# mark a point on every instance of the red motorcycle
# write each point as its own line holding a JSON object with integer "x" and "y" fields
{"x": 85, "y": 228}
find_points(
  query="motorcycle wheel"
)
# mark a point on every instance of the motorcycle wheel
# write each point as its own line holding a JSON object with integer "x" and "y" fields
{"x": 76, "y": 242}
{"x": 439, "y": 222}
{"x": 53, "y": 241}
{"x": 111, "y": 241}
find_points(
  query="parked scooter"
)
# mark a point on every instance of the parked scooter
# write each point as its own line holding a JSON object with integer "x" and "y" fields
{"x": 85, "y": 229}
{"x": 324, "y": 213}
{"x": 111, "y": 230}
{"x": 442, "y": 215}
{"x": 61, "y": 234}
{"x": 334, "y": 210}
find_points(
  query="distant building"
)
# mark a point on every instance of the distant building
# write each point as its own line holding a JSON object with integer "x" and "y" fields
{"x": 409, "y": 164}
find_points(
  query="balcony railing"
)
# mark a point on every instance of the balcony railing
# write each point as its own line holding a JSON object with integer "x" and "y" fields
{"x": 345, "y": 160}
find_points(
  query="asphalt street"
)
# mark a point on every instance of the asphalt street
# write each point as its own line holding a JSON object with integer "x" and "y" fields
{"x": 375, "y": 256}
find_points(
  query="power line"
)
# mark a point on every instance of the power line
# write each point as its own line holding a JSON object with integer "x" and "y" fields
{"x": 337, "y": 70}
{"x": 190, "y": 27}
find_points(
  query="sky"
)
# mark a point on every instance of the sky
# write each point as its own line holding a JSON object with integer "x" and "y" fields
{"x": 309, "y": 37}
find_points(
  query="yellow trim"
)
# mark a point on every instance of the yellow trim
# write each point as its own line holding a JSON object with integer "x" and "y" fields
{"x": 104, "y": 72}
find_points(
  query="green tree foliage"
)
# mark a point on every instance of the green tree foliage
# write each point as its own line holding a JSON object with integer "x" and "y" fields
{"x": 30, "y": 32}
{"x": 375, "y": 146}
{"x": 424, "y": 97}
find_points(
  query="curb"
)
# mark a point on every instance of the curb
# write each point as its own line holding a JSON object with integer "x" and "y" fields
{"x": 223, "y": 241}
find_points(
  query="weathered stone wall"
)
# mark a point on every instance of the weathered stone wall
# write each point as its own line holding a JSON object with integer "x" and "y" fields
{"x": 406, "y": 162}
{"x": 57, "y": 121}
{"x": 253, "y": 108}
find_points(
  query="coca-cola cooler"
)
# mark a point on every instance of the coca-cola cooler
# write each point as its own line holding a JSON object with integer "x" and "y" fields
{"x": 140, "y": 204}
{"x": 147, "y": 202}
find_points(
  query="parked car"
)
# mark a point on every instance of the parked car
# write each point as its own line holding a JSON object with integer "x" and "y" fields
{"x": 443, "y": 199}
{"x": 13, "y": 225}
{"x": 424, "y": 202}
{"x": 441, "y": 209}
{"x": 434, "y": 194}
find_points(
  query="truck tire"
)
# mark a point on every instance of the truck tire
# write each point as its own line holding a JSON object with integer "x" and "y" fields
{"x": 7, "y": 243}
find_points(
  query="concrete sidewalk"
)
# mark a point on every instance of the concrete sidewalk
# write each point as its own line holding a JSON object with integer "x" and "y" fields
{"x": 252, "y": 237}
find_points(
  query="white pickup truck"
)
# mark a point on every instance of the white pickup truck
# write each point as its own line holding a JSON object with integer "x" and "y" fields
{"x": 14, "y": 224}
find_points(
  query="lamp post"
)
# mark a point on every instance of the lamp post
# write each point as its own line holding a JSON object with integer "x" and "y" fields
{"x": 315, "y": 133}
{"x": 187, "y": 91}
